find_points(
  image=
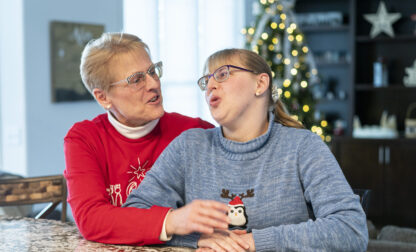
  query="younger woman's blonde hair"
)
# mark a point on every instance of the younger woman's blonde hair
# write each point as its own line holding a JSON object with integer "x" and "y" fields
{"x": 97, "y": 54}
{"x": 257, "y": 64}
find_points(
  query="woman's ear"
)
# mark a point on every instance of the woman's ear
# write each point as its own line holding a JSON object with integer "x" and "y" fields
{"x": 263, "y": 82}
{"x": 102, "y": 98}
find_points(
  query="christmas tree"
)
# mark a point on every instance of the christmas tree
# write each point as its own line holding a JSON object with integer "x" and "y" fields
{"x": 276, "y": 37}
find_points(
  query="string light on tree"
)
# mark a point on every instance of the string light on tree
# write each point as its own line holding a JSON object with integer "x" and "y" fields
{"x": 294, "y": 71}
{"x": 277, "y": 38}
{"x": 304, "y": 84}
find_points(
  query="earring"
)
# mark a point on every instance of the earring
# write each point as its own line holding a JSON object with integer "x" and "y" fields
{"x": 275, "y": 93}
{"x": 108, "y": 106}
{"x": 257, "y": 93}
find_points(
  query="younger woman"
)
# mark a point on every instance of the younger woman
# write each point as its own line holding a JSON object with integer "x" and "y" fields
{"x": 283, "y": 186}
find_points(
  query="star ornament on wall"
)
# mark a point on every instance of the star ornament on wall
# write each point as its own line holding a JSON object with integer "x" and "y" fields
{"x": 382, "y": 21}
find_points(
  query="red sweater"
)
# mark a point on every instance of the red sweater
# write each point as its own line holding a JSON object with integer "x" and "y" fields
{"x": 103, "y": 166}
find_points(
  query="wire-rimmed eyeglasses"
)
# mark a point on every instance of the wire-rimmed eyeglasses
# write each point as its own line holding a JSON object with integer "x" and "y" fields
{"x": 221, "y": 74}
{"x": 137, "y": 79}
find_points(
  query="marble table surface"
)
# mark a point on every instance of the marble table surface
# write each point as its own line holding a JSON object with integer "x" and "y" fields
{"x": 28, "y": 234}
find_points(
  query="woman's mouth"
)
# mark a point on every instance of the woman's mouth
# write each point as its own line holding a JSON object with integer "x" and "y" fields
{"x": 214, "y": 101}
{"x": 155, "y": 99}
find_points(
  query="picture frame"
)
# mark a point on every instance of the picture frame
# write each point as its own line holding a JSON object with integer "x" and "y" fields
{"x": 67, "y": 41}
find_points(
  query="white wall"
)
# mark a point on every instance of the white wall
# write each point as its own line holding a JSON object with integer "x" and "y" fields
{"x": 45, "y": 147}
{"x": 28, "y": 117}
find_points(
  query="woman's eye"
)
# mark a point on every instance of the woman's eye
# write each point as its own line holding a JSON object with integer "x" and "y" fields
{"x": 222, "y": 74}
{"x": 136, "y": 79}
{"x": 152, "y": 71}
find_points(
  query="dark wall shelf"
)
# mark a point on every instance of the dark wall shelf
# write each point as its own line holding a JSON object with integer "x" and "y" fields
{"x": 397, "y": 38}
{"x": 330, "y": 44}
{"x": 397, "y": 53}
{"x": 337, "y": 64}
{"x": 325, "y": 28}
{"x": 355, "y": 76}
{"x": 392, "y": 87}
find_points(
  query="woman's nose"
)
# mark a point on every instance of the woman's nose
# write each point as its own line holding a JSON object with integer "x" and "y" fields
{"x": 152, "y": 83}
{"x": 212, "y": 84}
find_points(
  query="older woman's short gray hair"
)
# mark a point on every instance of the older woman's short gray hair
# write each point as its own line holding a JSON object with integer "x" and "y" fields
{"x": 97, "y": 54}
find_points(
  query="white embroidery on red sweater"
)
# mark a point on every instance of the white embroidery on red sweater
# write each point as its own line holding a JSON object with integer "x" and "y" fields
{"x": 115, "y": 193}
{"x": 119, "y": 199}
{"x": 110, "y": 193}
{"x": 138, "y": 173}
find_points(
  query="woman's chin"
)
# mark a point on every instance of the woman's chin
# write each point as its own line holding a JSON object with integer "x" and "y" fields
{"x": 159, "y": 113}
{"x": 154, "y": 114}
{"x": 218, "y": 119}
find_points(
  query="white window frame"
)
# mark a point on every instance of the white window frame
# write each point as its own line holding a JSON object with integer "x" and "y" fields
{"x": 183, "y": 33}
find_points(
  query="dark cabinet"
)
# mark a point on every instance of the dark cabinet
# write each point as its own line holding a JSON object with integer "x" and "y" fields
{"x": 388, "y": 168}
{"x": 400, "y": 174}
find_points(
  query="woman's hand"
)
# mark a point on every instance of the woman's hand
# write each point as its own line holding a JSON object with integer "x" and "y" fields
{"x": 222, "y": 241}
{"x": 202, "y": 216}
{"x": 248, "y": 238}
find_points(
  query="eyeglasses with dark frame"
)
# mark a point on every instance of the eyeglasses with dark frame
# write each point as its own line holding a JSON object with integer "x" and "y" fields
{"x": 155, "y": 71}
{"x": 220, "y": 75}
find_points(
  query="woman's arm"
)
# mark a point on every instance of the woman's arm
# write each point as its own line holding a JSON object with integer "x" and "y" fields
{"x": 340, "y": 223}
{"x": 164, "y": 185}
{"x": 97, "y": 219}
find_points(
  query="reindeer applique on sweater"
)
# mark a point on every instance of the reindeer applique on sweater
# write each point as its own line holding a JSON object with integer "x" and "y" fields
{"x": 237, "y": 212}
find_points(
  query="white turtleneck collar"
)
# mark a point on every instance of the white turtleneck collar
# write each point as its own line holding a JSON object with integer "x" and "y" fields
{"x": 132, "y": 132}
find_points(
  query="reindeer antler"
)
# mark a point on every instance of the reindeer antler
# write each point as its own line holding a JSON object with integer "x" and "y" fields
{"x": 225, "y": 194}
{"x": 250, "y": 193}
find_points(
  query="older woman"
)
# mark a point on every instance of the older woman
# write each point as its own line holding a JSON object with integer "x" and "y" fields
{"x": 284, "y": 188}
{"x": 108, "y": 156}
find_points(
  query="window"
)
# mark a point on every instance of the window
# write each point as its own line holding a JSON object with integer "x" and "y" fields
{"x": 182, "y": 34}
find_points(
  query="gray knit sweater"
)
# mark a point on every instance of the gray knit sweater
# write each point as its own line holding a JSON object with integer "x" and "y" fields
{"x": 292, "y": 195}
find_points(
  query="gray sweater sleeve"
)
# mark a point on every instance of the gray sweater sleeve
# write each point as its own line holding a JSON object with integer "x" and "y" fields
{"x": 164, "y": 186}
{"x": 340, "y": 223}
